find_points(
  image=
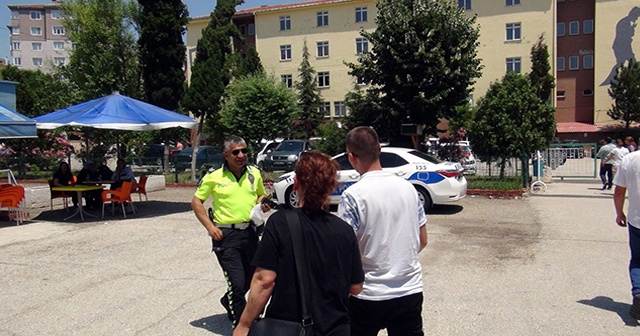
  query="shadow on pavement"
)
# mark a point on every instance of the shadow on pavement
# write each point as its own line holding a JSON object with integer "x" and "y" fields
{"x": 620, "y": 308}
{"x": 144, "y": 209}
{"x": 218, "y": 324}
{"x": 445, "y": 209}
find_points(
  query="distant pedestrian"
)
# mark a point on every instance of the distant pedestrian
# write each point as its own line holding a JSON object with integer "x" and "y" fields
{"x": 630, "y": 144}
{"x": 606, "y": 168}
{"x": 628, "y": 178}
{"x": 391, "y": 232}
{"x": 616, "y": 155}
{"x": 179, "y": 146}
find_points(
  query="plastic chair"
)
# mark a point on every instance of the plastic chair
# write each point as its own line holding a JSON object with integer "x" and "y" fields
{"x": 59, "y": 194}
{"x": 120, "y": 195}
{"x": 140, "y": 188}
{"x": 12, "y": 198}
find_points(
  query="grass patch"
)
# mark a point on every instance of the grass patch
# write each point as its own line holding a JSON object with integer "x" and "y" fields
{"x": 494, "y": 183}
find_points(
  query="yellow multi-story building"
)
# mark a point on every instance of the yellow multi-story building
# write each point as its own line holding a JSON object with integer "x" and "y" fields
{"x": 587, "y": 39}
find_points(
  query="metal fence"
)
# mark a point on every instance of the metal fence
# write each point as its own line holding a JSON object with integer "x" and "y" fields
{"x": 560, "y": 161}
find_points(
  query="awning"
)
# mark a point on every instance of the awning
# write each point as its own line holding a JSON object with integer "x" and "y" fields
{"x": 14, "y": 125}
{"x": 576, "y": 127}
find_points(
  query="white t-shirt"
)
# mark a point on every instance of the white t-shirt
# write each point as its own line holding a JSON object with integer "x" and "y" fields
{"x": 618, "y": 154}
{"x": 386, "y": 214}
{"x": 628, "y": 176}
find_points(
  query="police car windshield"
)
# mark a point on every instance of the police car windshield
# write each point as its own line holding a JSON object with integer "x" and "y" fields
{"x": 290, "y": 146}
{"x": 426, "y": 157}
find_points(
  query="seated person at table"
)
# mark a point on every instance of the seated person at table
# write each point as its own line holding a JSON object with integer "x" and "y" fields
{"x": 123, "y": 173}
{"x": 105, "y": 173}
{"x": 64, "y": 178}
{"x": 88, "y": 174}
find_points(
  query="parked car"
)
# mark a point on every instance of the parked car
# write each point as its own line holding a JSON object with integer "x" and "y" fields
{"x": 154, "y": 155}
{"x": 285, "y": 156}
{"x": 268, "y": 147}
{"x": 437, "y": 182}
{"x": 208, "y": 156}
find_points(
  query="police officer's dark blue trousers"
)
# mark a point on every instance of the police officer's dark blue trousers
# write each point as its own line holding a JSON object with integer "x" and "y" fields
{"x": 235, "y": 253}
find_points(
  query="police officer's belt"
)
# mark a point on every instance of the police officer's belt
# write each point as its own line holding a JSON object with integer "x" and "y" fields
{"x": 238, "y": 226}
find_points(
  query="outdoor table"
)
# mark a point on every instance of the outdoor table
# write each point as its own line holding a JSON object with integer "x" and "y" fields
{"x": 101, "y": 182}
{"x": 79, "y": 189}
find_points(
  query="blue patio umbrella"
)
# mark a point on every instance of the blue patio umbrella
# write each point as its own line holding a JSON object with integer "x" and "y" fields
{"x": 115, "y": 112}
{"x": 14, "y": 125}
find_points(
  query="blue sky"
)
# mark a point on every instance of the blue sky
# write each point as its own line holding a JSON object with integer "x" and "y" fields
{"x": 196, "y": 8}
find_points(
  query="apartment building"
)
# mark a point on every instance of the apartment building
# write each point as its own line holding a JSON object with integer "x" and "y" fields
{"x": 587, "y": 39}
{"x": 36, "y": 35}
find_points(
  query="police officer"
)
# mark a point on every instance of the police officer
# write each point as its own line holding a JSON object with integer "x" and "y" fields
{"x": 235, "y": 189}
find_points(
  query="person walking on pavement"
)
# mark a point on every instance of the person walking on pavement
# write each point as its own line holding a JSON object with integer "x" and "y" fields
{"x": 391, "y": 232}
{"x": 235, "y": 189}
{"x": 616, "y": 155}
{"x": 606, "y": 172}
{"x": 628, "y": 178}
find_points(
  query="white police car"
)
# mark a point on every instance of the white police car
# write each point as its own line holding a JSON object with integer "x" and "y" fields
{"x": 437, "y": 181}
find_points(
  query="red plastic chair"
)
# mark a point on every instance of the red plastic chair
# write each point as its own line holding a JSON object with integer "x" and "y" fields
{"x": 12, "y": 198}
{"x": 59, "y": 194}
{"x": 120, "y": 195}
{"x": 140, "y": 188}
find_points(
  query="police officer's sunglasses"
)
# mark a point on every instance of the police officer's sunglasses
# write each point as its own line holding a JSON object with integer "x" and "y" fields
{"x": 235, "y": 152}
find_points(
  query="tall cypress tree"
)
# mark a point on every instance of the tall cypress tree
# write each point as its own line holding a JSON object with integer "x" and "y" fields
{"x": 625, "y": 92}
{"x": 309, "y": 100}
{"x": 540, "y": 74}
{"x": 211, "y": 71}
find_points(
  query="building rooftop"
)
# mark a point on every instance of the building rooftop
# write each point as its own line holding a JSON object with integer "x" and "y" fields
{"x": 272, "y": 8}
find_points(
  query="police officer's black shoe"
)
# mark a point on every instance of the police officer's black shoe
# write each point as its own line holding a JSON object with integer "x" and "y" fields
{"x": 224, "y": 301}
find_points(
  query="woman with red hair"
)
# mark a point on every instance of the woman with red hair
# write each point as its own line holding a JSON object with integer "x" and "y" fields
{"x": 333, "y": 264}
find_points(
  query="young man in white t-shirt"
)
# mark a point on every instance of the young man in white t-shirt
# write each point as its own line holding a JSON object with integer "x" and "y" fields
{"x": 616, "y": 155}
{"x": 628, "y": 178}
{"x": 389, "y": 221}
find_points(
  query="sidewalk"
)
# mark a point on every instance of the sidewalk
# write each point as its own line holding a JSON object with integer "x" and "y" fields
{"x": 587, "y": 188}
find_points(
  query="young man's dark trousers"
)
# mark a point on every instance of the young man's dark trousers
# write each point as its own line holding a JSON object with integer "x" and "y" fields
{"x": 400, "y": 316}
{"x": 235, "y": 253}
{"x": 606, "y": 174}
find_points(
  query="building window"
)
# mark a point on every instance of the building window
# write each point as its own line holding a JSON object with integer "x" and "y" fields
{"x": 513, "y": 31}
{"x": 17, "y": 61}
{"x": 323, "y": 79}
{"x": 464, "y": 4}
{"x": 560, "y": 63}
{"x": 574, "y": 27}
{"x": 37, "y": 61}
{"x": 242, "y": 29}
{"x": 251, "y": 29}
{"x": 587, "y": 92}
{"x": 56, "y": 14}
{"x": 561, "y": 29}
{"x": 58, "y": 60}
{"x": 560, "y": 94}
{"x": 514, "y": 64}
{"x": 339, "y": 109}
{"x": 285, "y": 52}
{"x": 15, "y": 45}
{"x": 325, "y": 108}
{"x": 37, "y": 31}
{"x": 36, "y": 46}
{"x": 35, "y": 15}
{"x": 587, "y": 62}
{"x": 362, "y": 45}
{"x": 285, "y": 22}
{"x": 15, "y": 30}
{"x": 361, "y": 14}
{"x": 287, "y": 80}
{"x": 15, "y": 15}
{"x": 58, "y": 30}
{"x": 58, "y": 45}
{"x": 323, "y": 49}
{"x": 513, "y": 2}
{"x": 574, "y": 62}
{"x": 323, "y": 19}
{"x": 587, "y": 27}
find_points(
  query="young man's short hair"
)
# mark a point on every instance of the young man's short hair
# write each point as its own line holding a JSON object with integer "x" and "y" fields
{"x": 363, "y": 142}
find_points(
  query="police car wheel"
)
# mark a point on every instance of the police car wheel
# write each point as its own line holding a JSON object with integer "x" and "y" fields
{"x": 291, "y": 198}
{"x": 425, "y": 199}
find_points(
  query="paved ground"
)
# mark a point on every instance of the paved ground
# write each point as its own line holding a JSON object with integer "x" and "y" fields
{"x": 550, "y": 264}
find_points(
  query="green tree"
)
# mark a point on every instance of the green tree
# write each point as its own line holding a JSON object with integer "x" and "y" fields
{"x": 309, "y": 98}
{"x": 625, "y": 91}
{"x": 365, "y": 109}
{"x": 162, "y": 57}
{"x": 511, "y": 121}
{"x": 211, "y": 71}
{"x": 540, "y": 74}
{"x": 104, "y": 57}
{"x": 423, "y": 61}
{"x": 257, "y": 107}
{"x": 332, "y": 138}
{"x": 251, "y": 64}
